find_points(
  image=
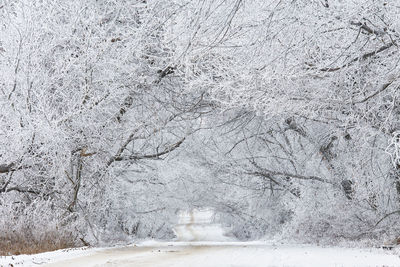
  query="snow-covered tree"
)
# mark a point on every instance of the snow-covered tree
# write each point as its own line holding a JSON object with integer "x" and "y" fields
{"x": 281, "y": 115}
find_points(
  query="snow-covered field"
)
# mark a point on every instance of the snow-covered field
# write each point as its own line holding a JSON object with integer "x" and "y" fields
{"x": 207, "y": 254}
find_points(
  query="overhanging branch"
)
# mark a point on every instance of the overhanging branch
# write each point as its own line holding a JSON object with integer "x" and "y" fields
{"x": 359, "y": 58}
{"x": 268, "y": 173}
{"x": 151, "y": 156}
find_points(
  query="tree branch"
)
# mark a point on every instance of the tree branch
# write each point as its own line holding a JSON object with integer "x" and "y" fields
{"x": 267, "y": 173}
{"x": 383, "y": 88}
{"x": 5, "y": 168}
{"x": 22, "y": 190}
{"x": 152, "y": 156}
{"x": 362, "y": 57}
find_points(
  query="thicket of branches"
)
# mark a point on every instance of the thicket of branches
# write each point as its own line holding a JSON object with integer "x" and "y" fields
{"x": 282, "y": 115}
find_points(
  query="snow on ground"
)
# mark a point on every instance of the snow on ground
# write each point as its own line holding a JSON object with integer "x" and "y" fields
{"x": 42, "y": 258}
{"x": 199, "y": 226}
{"x": 210, "y": 254}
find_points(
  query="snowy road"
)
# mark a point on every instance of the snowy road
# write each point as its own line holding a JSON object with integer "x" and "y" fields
{"x": 198, "y": 225}
{"x": 233, "y": 254}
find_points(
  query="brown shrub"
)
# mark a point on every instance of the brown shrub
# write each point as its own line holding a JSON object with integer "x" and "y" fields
{"x": 35, "y": 228}
{"x": 26, "y": 242}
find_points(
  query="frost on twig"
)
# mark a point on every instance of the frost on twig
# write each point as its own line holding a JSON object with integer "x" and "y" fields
{"x": 394, "y": 148}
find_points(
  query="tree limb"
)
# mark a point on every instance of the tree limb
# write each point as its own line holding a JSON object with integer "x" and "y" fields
{"x": 362, "y": 57}
{"x": 383, "y": 88}
{"x": 152, "y": 156}
{"x": 267, "y": 173}
{"x": 5, "y": 168}
{"x": 22, "y": 190}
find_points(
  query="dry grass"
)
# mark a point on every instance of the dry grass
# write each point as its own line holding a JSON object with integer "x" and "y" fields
{"x": 35, "y": 228}
{"x": 25, "y": 242}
